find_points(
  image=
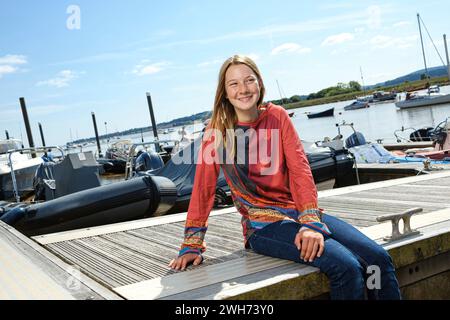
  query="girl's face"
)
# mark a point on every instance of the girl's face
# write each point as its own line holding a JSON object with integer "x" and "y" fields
{"x": 242, "y": 88}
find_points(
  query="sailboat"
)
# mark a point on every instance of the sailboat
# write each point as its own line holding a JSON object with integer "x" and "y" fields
{"x": 421, "y": 100}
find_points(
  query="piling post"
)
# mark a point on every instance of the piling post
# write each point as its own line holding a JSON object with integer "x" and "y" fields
{"x": 42, "y": 136}
{"x": 7, "y": 134}
{"x": 152, "y": 118}
{"x": 96, "y": 135}
{"x": 27, "y": 124}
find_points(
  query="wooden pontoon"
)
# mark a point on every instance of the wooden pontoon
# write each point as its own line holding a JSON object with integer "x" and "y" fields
{"x": 129, "y": 260}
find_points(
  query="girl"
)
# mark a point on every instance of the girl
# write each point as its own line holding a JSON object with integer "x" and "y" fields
{"x": 276, "y": 197}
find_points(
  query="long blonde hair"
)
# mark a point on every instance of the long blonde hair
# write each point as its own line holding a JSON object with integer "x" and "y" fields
{"x": 224, "y": 117}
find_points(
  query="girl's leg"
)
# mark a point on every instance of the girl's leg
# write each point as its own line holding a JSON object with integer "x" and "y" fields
{"x": 337, "y": 262}
{"x": 369, "y": 251}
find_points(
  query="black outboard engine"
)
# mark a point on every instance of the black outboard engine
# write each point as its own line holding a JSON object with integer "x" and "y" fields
{"x": 423, "y": 134}
{"x": 148, "y": 161}
{"x": 355, "y": 139}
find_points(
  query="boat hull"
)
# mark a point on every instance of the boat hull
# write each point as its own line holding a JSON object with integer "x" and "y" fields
{"x": 24, "y": 178}
{"x": 422, "y": 102}
{"x": 355, "y": 106}
{"x": 132, "y": 199}
{"x": 326, "y": 113}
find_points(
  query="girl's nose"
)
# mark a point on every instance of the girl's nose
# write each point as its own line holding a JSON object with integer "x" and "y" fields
{"x": 243, "y": 88}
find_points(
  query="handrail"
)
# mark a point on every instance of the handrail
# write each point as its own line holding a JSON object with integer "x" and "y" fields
{"x": 27, "y": 150}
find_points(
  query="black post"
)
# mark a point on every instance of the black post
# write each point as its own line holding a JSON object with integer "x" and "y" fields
{"x": 142, "y": 136}
{"x": 152, "y": 118}
{"x": 96, "y": 135}
{"x": 7, "y": 134}
{"x": 27, "y": 124}
{"x": 42, "y": 136}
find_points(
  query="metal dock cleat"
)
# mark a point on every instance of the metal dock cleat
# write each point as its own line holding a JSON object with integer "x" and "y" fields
{"x": 395, "y": 219}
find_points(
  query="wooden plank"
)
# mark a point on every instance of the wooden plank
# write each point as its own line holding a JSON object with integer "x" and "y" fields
{"x": 162, "y": 287}
{"x": 117, "y": 227}
{"x": 381, "y": 184}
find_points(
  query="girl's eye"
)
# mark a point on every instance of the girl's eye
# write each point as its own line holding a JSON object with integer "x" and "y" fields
{"x": 233, "y": 84}
{"x": 251, "y": 80}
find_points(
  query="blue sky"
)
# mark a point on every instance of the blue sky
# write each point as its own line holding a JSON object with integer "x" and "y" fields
{"x": 174, "y": 50}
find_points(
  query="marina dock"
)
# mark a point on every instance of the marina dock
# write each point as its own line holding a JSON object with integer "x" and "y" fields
{"x": 129, "y": 260}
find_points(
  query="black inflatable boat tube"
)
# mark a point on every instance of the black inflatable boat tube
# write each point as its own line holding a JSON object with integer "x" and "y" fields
{"x": 122, "y": 201}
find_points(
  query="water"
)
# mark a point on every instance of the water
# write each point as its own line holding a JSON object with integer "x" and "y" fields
{"x": 377, "y": 122}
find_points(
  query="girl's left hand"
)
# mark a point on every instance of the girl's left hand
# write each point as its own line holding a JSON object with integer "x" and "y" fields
{"x": 311, "y": 244}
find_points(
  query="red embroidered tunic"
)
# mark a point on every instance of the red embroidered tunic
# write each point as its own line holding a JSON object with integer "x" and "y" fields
{"x": 277, "y": 187}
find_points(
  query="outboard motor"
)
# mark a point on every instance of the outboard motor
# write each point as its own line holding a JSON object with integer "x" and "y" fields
{"x": 355, "y": 139}
{"x": 148, "y": 161}
{"x": 421, "y": 134}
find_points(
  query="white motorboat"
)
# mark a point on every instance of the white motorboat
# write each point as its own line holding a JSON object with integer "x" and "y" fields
{"x": 24, "y": 167}
{"x": 421, "y": 100}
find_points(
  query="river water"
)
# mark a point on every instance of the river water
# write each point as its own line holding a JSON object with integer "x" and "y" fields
{"x": 377, "y": 122}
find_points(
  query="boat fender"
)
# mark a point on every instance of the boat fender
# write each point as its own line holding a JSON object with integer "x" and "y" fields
{"x": 14, "y": 215}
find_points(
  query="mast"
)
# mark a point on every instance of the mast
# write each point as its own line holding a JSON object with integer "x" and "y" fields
{"x": 362, "y": 80}
{"x": 282, "y": 100}
{"x": 423, "y": 50}
{"x": 446, "y": 54}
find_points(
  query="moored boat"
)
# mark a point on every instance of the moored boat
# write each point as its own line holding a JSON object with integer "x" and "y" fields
{"x": 325, "y": 113}
{"x": 357, "y": 105}
{"x": 422, "y": 100}
{"x": 24, "y": 167}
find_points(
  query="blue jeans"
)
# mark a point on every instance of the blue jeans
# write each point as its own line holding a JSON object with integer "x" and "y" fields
{"x": 345, "y": 258}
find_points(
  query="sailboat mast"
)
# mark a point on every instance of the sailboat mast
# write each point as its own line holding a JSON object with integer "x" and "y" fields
{"x": 423, "y": 50}
{"x": 446, "y": 54}
{"x": 282, "y": 100}
{"x": 362, "y": 80}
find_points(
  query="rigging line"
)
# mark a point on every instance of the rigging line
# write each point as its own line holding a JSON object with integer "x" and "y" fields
{"x": 432, "y": 41}
{"x": 284, "y": 94}
{"x": 282, "y": 100}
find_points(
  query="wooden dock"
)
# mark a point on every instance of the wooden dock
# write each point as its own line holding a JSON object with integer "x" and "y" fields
{"x": 129, "y": 260}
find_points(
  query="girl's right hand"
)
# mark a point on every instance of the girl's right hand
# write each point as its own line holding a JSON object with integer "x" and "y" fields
{"x": 185, "y": 260}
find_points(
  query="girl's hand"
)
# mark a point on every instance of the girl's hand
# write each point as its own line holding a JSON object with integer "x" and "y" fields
{"x": 311, "y": 244}
{"x": 185, "y": 260}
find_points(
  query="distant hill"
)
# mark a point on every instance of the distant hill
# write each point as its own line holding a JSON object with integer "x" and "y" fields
{"x": 413, "y": 76}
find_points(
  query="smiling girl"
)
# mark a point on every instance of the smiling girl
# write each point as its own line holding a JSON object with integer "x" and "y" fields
{"x": 280, "y": 214}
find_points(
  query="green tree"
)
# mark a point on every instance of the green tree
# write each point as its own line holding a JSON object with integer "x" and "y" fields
{"x": 354, "y": 85}
{"x": 295, "y": 98}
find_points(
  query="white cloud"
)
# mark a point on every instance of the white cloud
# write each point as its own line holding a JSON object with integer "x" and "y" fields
{"x": 61, "y": 80}
{"x": 337, "y": 38}
{"x": 289, "y": 48}
{"x": 13, "y": 59}
{"x": 381, "y": 42}
{"x": 147, "y": 69}
{"x": 7, "y": 69}
{"x": 8, "y": 63}
{"x": 401, "y": 24}
{"x": 374, "y": 17}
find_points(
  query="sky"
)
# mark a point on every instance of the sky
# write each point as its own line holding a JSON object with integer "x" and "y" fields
{"x": 71, "y": 58}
